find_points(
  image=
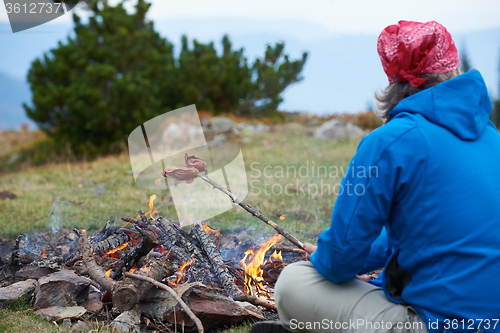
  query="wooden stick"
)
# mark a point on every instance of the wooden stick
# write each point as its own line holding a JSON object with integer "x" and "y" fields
{"x": 190, "y": 313}
{"x": 254, "y": 212}
{"x": 94, "y": 270}
{"x": 256, "y": 301}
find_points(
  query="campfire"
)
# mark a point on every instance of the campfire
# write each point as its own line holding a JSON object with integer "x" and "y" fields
{"x": 150, "y": 272}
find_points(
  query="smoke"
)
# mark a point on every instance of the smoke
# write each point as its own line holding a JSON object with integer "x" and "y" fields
{"x": 59, "y": 214}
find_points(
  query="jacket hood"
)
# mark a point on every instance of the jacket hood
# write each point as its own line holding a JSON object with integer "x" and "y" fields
{"x": 461, "y": 105}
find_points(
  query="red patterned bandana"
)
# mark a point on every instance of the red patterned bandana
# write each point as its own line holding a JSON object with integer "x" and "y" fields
{"x": 409, "y": 49}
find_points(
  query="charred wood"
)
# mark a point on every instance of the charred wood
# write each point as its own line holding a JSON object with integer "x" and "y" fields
{"x": 147, "y": 243}
{"x": 215, "y": 259}
{"x": 129, "y": 291}
{"x": 188, "y": 311}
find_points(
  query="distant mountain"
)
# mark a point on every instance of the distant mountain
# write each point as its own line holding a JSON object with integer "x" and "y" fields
{"x": 12, "y": 94}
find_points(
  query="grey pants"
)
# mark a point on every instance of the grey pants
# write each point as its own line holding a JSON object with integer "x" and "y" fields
{"x": 307, "y": 302}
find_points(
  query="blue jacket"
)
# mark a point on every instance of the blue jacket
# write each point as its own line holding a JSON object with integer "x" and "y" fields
{"x": 431, "y": 176}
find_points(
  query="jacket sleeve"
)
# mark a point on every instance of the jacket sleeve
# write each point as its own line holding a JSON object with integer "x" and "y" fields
{"x": 378, "y": 173}
{"x": 380, "y": 251}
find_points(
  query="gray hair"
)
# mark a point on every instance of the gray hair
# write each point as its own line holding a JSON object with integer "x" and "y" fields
{"x": 397, "y": 91}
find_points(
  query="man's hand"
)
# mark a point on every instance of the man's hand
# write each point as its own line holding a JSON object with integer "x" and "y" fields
{"x": 310, "y": 249}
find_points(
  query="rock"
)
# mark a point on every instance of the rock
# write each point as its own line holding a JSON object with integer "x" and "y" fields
{"x": 221, "y": 124}
{"x": 67, "y": 322}
{"x": 94, "y": 303}
{"x": 208, "y": 304}
{"x": 337, "y": 130}
{"x": 63, "y": 288}
{"x": 32, "y": 272}
{"x": 128, "y": 321}
{"x": 57, "y": 312}
{"x": 16, "y": 290}
{"x": 6, "y": 195}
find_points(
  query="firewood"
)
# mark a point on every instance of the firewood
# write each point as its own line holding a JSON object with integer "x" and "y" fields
{"x": 113, "y": 238}
{"x": 93, "y": 269}
{"x": 188, "y": 311}
{"x": 129, "y": 291}
{"x": 118, "y": 238}
{"x": 215, "y": 258}
{"x": 125, "y": 293}
{"x": 147, "y": 243}
{"x": 256, "y": 301}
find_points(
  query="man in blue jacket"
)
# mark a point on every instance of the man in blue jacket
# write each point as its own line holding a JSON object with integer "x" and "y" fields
{"x": 424, "y": 203}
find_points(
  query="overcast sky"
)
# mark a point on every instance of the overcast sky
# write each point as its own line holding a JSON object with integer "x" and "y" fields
{"x": 335, "y": 16}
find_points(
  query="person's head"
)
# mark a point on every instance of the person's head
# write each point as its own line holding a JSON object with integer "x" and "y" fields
{"x": 415, "y": 56}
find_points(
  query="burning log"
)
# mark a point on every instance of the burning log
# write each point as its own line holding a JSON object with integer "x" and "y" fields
{"x": 114, "y": 237}
{"x": 94, "y": 270}
{"x": 118, "y": 238}
{"x": 215, "y": 258}
{"x": 272, "y": 270}
{"x": 148, "y": 242}
{"x": 169, "y": 235}
{"x": 128, "y": 292}
{"x": 125, "y": 293}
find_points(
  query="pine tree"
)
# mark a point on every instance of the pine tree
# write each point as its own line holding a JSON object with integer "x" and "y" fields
{"x": 117, "y": 72}
{"x": 95, "y": 89}
{"x": 227, "y": 83}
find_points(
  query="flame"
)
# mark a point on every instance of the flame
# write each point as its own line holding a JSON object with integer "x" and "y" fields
{"x": 275, "y": 256}
{"x": 84, "y": 232}
{"x": 42, "y": 255}
{"x": 253, "y": 272}
{"x": 181, "y": 272}
{"x": 282, "y": 217}
{"x": 121, "y": 247}
{"x": 108, "y": 272}
{"x": 152, "y": 209}
{"x": 210, "y": 230}
{"x": 132, "y": 270}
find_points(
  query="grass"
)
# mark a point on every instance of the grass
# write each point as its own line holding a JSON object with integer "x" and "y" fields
{"x": 288, "y": 172}
{"x": 87, "y": 194}
{"x": 18, "y": 316}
